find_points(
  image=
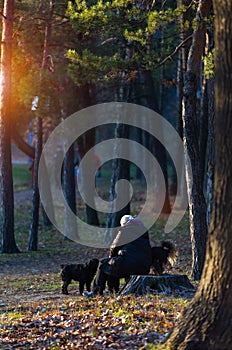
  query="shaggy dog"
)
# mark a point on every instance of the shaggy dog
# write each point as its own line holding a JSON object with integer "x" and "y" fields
{"x": 84, "y": 273}
{"x": 161, "y": 255}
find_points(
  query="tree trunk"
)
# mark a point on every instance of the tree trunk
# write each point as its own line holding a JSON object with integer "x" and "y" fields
{"x": 210, "y": 162}
{"x": 210, "y": 151}
{"x": 203, "y": 128}
{"x": 206, "y": 323}
{"x": 181, "y": 68}
{"x": 145, "y": 96}
{"x": 69, "y": 188}
{"x": 33, "y": 234}
{"x": 142, "y": 284}
{"x": 88, "y": 142}
{"x": 120, "y": 169}
{"x": 197, "y": 204}
{"x": 68, "y": 104}
{"x": 6, "y": 180}
{"x": 159, "y": 149}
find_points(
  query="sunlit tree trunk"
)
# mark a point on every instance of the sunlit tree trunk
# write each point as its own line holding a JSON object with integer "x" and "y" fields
{"x": 6, "y": 180}
{"x": 206, "y": 323}
{"x": 197, "y": 204}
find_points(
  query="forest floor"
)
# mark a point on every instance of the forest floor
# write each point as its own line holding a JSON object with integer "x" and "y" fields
{"x": 34, "y": 314}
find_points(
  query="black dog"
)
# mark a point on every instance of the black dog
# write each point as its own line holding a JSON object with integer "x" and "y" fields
{"x": 113, "y": 284}
{"x": 84, "y": 273}
{"x": 161, "y": 255}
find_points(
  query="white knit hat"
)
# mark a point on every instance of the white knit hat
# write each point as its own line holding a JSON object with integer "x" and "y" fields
{"x": 125, "y": 219}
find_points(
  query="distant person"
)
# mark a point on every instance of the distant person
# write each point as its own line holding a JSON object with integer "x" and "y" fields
{"x": 130, "y": 254}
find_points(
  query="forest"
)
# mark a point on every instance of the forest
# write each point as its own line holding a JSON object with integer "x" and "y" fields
{"x": 119, "y": 107}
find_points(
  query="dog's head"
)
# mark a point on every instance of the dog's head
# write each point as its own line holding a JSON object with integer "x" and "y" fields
{"x": 93, "y": 264}
{"x": 172, "y": 252}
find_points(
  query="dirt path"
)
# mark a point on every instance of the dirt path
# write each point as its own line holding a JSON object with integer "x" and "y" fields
{"x": 23, "y": 197}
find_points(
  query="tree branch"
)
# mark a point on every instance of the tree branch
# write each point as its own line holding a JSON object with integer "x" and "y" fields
{"x": 22, "y": 145}
{"x": 3, "y": 15}
{"x": 169, "y": 57}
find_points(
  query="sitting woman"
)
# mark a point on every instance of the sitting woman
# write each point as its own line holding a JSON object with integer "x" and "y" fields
{"x": 130, "y": 254}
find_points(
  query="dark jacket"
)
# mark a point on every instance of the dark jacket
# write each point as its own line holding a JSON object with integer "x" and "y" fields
{"x": 130, "y": 253}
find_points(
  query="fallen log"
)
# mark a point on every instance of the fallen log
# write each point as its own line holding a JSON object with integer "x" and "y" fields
{"x": 142, "y": 284}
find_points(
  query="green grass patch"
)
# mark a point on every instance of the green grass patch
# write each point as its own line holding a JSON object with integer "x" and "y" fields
{"x": 21, "y": 176}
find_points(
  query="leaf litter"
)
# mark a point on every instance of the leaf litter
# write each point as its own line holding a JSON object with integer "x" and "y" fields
{"x": 108, "y": 322}
{"x": 35, "y": 315}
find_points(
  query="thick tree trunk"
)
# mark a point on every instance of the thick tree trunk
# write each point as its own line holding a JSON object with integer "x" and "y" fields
{"x": 206, "y": 323}
{"x": 197, "y": 204}
{"x": 152, "y": 284}
{"x": 6, "y": 180}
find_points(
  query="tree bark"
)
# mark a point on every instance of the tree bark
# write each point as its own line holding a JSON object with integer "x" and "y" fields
{"x": 120, "y": 169}
{"x": 181, "y": 68}
{"x": 69, "y": 188}
{"x": 33, "y": 234}
{"x": 142, "y": 284}
{"x": 210, "y": 161}
{"x": 197, "y": 204}
{"x": 203, "y": 129}
{"x": 206, "y": 323}
{"x": 6, "y": 179}
{"x": 210, "y": 151}
{"x": 88, "y": 142}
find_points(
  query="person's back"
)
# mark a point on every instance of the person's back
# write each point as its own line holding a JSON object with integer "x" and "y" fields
{"x": 133, "y": 250}
{"x": 135, "y": 255}
{"x": 130, "y": 254}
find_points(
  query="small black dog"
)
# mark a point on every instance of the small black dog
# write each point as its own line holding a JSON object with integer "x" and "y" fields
{"x": 161, "y": 255}
{"x": 84, "y": 273}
